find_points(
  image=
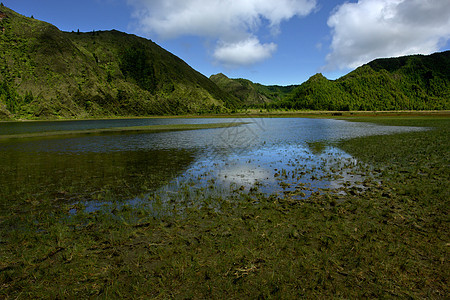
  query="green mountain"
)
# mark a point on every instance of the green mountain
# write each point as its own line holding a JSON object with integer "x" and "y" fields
{"x": 45, "y": 72}
{"x": 249, "y": 93}
{"x": 415, "y": 82}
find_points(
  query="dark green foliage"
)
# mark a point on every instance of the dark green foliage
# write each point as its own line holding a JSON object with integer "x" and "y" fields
{"x": 406, "y": 83}
{"x": 14, "y": 102}
{"x": 7, "y": 97}
{"x": 251, "y": 94}
{"x": 46, "y": 73}
{"x": 49, "y": 74}
{"x": 328, "y": 98}
{"x": 135, "y": 63}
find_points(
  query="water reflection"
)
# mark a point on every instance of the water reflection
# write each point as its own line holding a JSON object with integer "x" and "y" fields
{"x": 30, "y": 176}
{"x": 285, "y": 156}
{"x": 42, "y": 126}
{"x": 288, "y": 169}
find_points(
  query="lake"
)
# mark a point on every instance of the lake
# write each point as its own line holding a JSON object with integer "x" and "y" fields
{"x": 292, "y": 156}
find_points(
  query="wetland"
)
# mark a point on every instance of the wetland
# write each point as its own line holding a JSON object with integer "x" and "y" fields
{"x": 272, "y": 154}
{"x": 268, "y": 207}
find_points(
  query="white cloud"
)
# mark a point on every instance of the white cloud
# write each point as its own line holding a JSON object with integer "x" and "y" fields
{"x": 372, "y": 29}
{"x": 232, "y": 24}
{"x": 244, "y": 52}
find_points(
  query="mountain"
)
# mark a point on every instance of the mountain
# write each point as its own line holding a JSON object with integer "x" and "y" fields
{"x": 47, "y": 73}
{"x": 249, "y": 93}
{"x": 416, "y": 82}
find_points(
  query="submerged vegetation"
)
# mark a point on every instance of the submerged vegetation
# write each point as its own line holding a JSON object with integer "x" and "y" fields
{"x": 387, "y": 240}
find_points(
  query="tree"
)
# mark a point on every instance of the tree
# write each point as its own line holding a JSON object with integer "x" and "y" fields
{"x": 135, "y": 63}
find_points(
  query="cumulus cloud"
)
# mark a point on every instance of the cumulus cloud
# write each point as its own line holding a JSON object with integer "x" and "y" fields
{"x": 232, "y": 24}
{"x": 372, "y": 29}
{"x": 244, "y": 52}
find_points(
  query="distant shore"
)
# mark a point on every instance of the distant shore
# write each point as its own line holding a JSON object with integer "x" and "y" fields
{"x": 262, "y": 113}
{"x": 120, "y": 130}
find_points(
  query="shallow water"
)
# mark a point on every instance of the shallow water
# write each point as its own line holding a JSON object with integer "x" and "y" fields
{"x": 274, "y": 155}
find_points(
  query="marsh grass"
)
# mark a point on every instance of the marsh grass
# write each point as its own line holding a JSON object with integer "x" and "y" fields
{"x": 389, "y": 240}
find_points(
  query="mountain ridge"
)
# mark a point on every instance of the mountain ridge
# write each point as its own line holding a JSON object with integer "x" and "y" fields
{"x": 413, "y": 82}
{"x": 48, "y": 73}
{"x": 250, "y": 93}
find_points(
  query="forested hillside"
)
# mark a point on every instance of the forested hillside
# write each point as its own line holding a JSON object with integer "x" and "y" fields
{"x": 249, "y": 93}
{"x": 414, "y": 82}
{"x": 47, "y": 73}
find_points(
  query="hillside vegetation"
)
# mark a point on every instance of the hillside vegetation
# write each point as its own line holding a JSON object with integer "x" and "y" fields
{"x": 249, "y": 93}
{"x": 414, "y": 82}
{"x": 49, "y": 73}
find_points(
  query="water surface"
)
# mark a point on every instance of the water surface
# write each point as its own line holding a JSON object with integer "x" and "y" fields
{"x": 276, "y": 155}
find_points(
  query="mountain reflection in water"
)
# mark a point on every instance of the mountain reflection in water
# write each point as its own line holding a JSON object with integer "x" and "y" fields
{"x": 80, "y": 176}
{"x": 278, "y": 155}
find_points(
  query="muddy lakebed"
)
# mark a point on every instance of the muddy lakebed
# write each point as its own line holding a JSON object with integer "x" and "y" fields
{"x": 281, "y": 156}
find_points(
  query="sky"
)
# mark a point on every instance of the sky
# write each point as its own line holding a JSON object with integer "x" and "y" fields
{"x": 272, "y": 42}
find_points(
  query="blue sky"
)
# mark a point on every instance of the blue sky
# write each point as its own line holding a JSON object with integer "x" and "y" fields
{"x": 270, "y": 42}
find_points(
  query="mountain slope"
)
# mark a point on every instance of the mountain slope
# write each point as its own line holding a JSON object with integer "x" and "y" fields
{"x": 48, "y": 73}
{"x": 415, "y": 82}
{"x": 249, "y": 93}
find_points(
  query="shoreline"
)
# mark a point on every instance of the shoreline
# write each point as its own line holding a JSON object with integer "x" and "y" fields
{"x": 388, "y": 240}
{"x": 120, "y": 130}
{"x": 255, "y": 113}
